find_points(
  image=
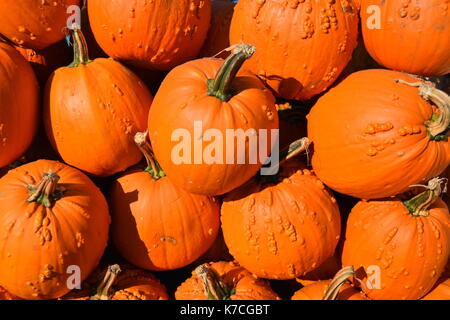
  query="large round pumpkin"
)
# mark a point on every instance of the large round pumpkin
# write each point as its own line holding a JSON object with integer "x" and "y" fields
{"x": 303, "y": 46}
{"x": 157, "y": 34}
{"x": 35, "y": 24}
{"x": 410, "y": 36}
{"x": 52, "y": 217}
{"x": 18, "y": 104}
{"x": 197, "y": 106}
{"x": 224, "y": 281}
{"x": 282, "y": 229}
{"x": 157, "y": 225}
{"x": 402, "y": 245}
{"x": 92, "y": 110}
{"x": 373, "y": 137}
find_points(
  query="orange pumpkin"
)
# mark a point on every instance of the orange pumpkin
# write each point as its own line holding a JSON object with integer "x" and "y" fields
{"x": 326, "y": 270}
{"x": 152, "y": 219}
{"x": 403, "y": 245}
{"x": 281, "y": 228}
{"x": 93, "y": 129}
{"x": 224, "y": 281}
{"x": 303, "y": 46}
{"x": 156, "y": 34}
{"x": 34, "y": 24}
{"x": 120, "y": 283}
{"x": 5, "y": 295}
{"x": 375, "y": 135}
{"x": 18, "y": 104}
{"x": 441, "y": 291}
{"x": 206, "y": 97}
{"x": 52, "y": 217}
{"x": 218, "y": 38}
{"x": 410, "y": 36}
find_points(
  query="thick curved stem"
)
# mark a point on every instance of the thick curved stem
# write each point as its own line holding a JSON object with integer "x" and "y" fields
{"x": 213, "y": 286}
{"x": 439, "y": 124}
{"x": 104, "y": 290}
{"x": 220, "y": 87}
{"x": 45, "y": 192}
{"x": 338, "y": 281}
{"x": 80, "y": 49}
{"x": 153, "y": 167}
{"x": 418, "y": 206}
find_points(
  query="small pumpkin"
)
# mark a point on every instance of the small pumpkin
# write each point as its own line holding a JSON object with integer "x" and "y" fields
{"x": 156, "y": 34}
{"x": 334, "y": 289}
{"x": 18, "y": 104}
{"x": 224, "y": 281}
{"x": 407, "y": 241}
{"x": 93, "y": 130}
{"x": 283, "y": 227}
{"x": 52, "y": 217}
{"x": 378, "y": 132}
{"x": 409, "y": 36}
{"x": 303, "y": 46}
{"x": 441, "y": 290}
{"x": 212, "y": 96}
{"x": 120, "y": 283}
{"x": 34, "y": 24}
{"x": 157, "y": 225}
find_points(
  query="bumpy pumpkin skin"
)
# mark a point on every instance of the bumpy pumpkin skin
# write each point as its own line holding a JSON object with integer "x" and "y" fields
{"x": 414, "y": 36}
{"x": 369, "y": 136}
{"x": 246, "y": 286}
{"x": 39, "y": 244}
{"x": 316, "y": 291}
{"x": 158, "y": 226}
{"x": 302, "y": 46}
{"x": 411, "y": 251}
{"x": 93, "y": 130}
{"x": 440, "y": 292}
{"x": 183, "y": 96}
{"x": 156, "y": 34}
{"x": 5, "y": 295}
{"x": 18, "y": 104}
{"x": 281, "y": 231}
{"x": 34, "y": 24}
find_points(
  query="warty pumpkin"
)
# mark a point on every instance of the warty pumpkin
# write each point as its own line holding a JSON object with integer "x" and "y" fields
{"x": 303, "y": 46}
{"x": 5, "y": 295}
{"x": 34, "y": 24}
{"x": 206, "y": 96}
{"x": 284, "y": 227}
{"x": 120, "y": 282}
{"x": 378, "y": 132}
{"x": 51, "y": 217}
{"x": 156, "y": 34}
{"x": 18, "y": 104}
{"x": 409, "y": 36}
{"x": 157, "y": 225}
{"x": 403, "y": 245}
{"x": 441, "y": 290}
{"x": 224, "y": 281}
{"x": 92, "y": 110}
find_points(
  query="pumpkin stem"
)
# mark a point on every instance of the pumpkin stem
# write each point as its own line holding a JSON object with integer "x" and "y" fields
{"x": 220, "y": 87}
{"x": 46, "y": 191}
{"x": 418, "y": 206}
{"x": 338, "y": 281}
{"x": 439, "y": 123}
{"x": 213, "y": 286}
{"x": 104, "y": 290}
{"x": 153, "y": 167}
{"x": 80, "y": 49}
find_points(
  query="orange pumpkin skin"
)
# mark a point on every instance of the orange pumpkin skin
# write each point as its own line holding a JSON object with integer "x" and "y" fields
{"x": 411, "y": 252}
{"x": 183, "y": 95}
{"x": 369, "y": 136}
{"x": 316, "y": 291}
{"x": 93, "y": 129}
{"x": 159, "y": 34}
{"x": 246, "y": 286}
{"x": 440, "y": 292}
{"x": 218, "y": 35}
{"x": 159, "y": 226}
{"x": 34, "y": 24}
{"x": 39, "y": 243}
{"x": 408, "y": 32}
{"x": 312, "y": 41}
{"x": 5, "y": 295}
{"x": 18, "y": 104}
{"x": 284, "y": 230}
